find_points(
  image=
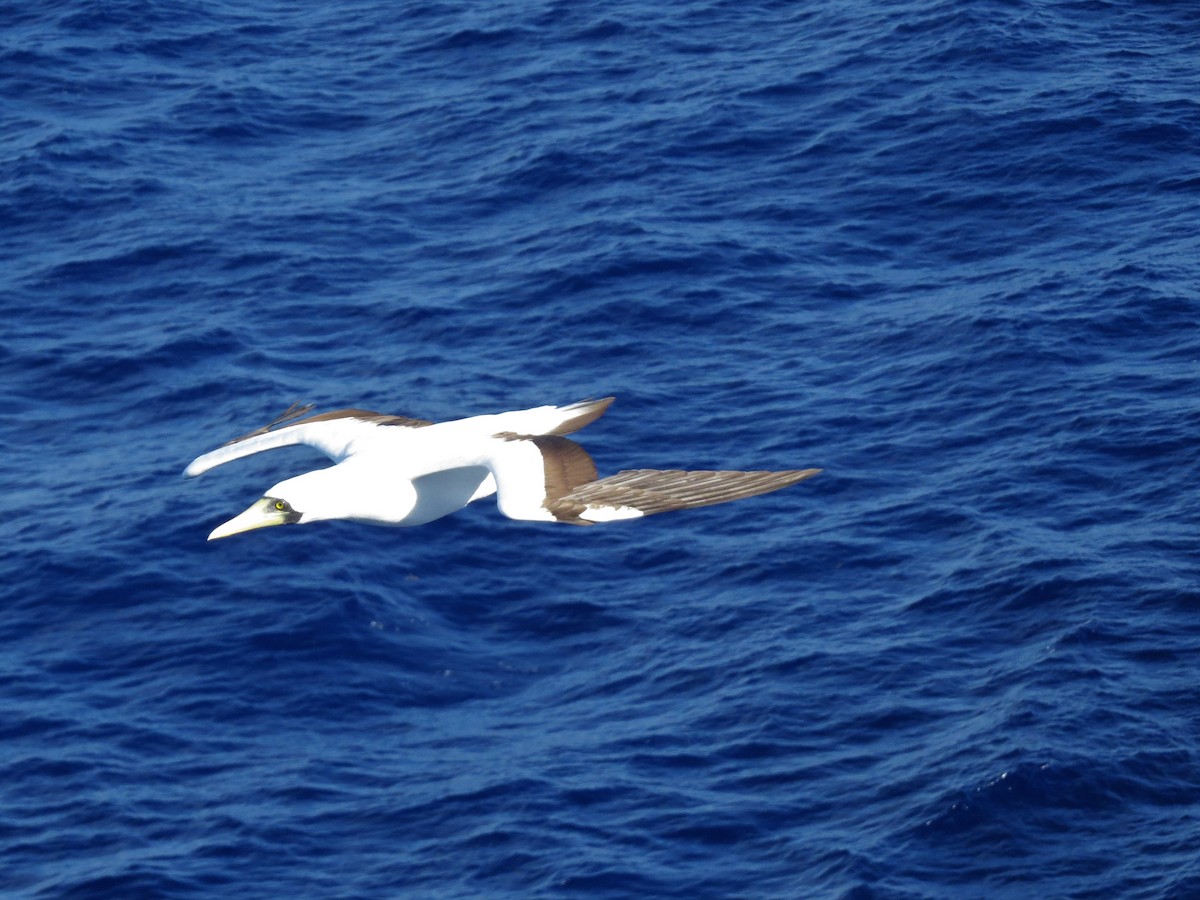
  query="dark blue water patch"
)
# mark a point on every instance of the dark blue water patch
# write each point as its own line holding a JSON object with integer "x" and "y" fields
{"x": 990, "y": 822}
{"x": 474, "y": 38}
{"x": 118, "y": 267}
{"x": 942, "y": 253}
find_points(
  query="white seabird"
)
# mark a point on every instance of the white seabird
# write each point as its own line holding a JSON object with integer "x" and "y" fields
{"x": 393, "y": 470}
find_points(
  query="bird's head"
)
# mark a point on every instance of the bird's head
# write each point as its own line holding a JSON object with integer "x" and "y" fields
{"x": 270, "y": 510}
{"x": 291, "y": 502}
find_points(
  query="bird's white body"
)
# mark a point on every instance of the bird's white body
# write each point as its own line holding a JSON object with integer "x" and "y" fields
{"x": 392, "y": 470}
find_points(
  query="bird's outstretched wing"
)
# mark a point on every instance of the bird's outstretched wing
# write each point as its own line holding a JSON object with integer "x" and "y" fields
{"x": 335, "y": 433}
{"x": 551, "y": 478}
{"x": 332, "y": 433}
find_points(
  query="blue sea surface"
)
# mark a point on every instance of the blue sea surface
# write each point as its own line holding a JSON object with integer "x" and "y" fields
{"x": 949, "y": 252}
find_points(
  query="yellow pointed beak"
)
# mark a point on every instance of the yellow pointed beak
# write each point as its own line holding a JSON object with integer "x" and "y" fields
{"x": 260, "y": 515}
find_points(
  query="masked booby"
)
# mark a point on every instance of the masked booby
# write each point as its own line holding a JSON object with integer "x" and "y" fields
{"x": 395, "y": 470}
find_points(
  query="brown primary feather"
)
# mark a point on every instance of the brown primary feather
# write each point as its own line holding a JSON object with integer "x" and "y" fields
{"x": 590, "y": 413}
{"x": 656, "y": 490}
{"x": 296, "y": 410}
{"x": 367, "y": 416}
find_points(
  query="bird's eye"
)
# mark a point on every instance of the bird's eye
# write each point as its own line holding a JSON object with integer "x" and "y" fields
{"x": 280, "y": 505}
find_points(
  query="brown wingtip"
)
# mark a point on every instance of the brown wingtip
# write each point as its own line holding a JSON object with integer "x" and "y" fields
{"x": 589, "y": 412}
{"x": 295, "y": 411}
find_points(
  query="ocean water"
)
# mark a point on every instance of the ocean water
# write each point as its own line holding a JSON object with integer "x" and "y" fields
{"x": 946, "y": 251}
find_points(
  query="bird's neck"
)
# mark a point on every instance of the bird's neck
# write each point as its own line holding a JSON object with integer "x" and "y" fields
{"x": 347, "y": 491}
